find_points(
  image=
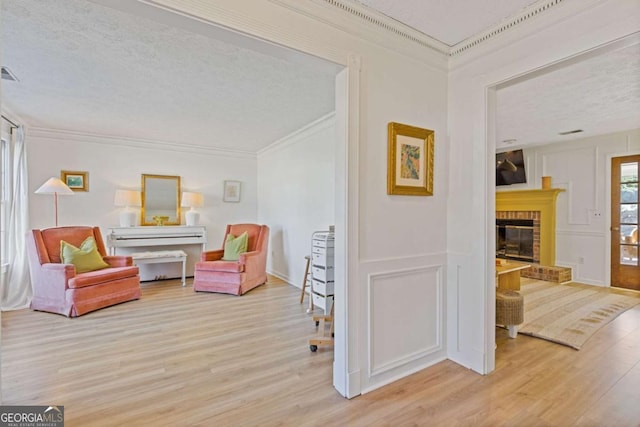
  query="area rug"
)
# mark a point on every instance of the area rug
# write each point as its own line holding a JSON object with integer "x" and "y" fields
{"x": 570, "y": 314}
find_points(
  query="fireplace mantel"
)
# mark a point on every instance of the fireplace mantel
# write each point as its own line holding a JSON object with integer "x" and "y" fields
{"x": 543, "y": 201}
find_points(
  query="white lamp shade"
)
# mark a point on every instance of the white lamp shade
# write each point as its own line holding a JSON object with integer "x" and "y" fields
{"x": 127, "y": 198}
{"x": 54, "y": 186}
{"x": 191, "y": 200}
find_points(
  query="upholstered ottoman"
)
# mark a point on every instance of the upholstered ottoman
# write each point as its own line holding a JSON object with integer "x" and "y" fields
{"x": 509, "y": 310}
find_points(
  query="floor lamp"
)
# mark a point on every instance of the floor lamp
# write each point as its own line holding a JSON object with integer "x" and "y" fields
{"x": 55, "y": 186}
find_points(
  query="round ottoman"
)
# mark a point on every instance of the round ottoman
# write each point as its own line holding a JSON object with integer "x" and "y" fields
{"x": 509, "y": 310}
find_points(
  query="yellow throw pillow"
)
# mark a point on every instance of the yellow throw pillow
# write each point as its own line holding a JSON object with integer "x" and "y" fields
{"x": 85, "y": 258}
{"x": 234, "y": 246}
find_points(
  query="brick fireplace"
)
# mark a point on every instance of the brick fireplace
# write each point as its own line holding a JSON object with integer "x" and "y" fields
{"x": 538, "y": 206}
{"x": 519, "y": 219}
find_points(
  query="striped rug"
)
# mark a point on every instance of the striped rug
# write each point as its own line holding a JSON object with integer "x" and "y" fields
{"x": 570, "y": 314}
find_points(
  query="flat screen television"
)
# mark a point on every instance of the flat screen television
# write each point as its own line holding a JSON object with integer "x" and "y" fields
{"x": 510, "y": 168}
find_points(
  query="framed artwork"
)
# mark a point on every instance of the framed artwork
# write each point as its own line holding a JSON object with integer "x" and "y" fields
{"x": 231, "y": 191}
{"x": 75, "y": 180}
{"x": 409, "y": 160}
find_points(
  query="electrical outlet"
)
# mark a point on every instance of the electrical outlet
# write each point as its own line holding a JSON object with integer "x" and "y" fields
{"x": 595, "y": 213}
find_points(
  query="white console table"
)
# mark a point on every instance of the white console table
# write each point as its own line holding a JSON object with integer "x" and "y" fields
{"x": 146, "y": 236}
{"x": 156, "y": 240}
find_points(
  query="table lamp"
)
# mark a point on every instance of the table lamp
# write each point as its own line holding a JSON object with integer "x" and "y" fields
{"x": 191, "y": 200}
{"x": 55, "y": 186}
{"x": 127, "y": 198}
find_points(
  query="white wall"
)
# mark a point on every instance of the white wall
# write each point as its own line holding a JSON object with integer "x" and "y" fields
{"x": 395, "y": 245}
{"x": 115, "y": 163}
{"x": 569, "y": 29}
{"x": 296, "y": 194}
{"x": 582, "y": 168}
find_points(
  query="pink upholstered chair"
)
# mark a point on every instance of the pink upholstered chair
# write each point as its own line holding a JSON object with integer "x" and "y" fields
{"x": 57, "y": 288}
{"x": 212, "y": 274}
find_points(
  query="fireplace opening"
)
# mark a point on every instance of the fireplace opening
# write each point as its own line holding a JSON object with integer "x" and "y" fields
{"x": 515, "y": 239}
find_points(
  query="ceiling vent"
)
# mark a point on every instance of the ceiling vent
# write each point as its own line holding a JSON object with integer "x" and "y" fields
{"x": 8, "y": 75}
{"x": 569, "y": 132}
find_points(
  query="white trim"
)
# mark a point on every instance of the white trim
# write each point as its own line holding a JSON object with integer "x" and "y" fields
{"x": 416, "y": 355}
{"x": 306, "y": 131}
{"x": 374, "y": 18}
{"x": 528, "y": 13}
{"x": 374, "y": 27}
{"x": 416, "y": 258}
{"x": 380, "y": 20}
{"x": 584, "y": 233}
{"x": 84, "y": 137}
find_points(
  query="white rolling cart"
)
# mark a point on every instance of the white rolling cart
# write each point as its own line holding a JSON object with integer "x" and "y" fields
{"x": 322, "y": 270}
{"x": 322, "y": 286}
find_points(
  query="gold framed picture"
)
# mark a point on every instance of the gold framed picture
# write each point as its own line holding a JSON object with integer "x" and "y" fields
{"x": 410, "y": 160}
{"x": 75, "y": 180}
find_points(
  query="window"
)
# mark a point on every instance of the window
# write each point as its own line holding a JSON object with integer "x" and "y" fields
{"x": 5, "y": 183}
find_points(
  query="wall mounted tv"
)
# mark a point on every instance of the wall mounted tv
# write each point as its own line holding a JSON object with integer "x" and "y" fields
{"x": 510, "y": 168}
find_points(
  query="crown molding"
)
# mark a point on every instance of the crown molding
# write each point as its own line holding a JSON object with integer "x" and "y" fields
{"x": 372, "y": 27}
{"x": 82, "y": 137}
{"x": 324, "y": 122}
{"x": 385, "y": 23}
{"x": 511, "y": 22}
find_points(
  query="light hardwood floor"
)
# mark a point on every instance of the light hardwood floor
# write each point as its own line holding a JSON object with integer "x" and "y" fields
{"x": 179, "y": 358}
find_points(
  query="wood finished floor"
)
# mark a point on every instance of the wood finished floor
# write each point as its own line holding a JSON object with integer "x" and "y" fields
{"x": 179, "y": 358}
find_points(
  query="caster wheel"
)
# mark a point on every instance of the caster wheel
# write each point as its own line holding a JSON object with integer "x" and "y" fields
{"x": 317, "y": 322}
{"x": 333, "y": 335}
{"x": 313, "y": 348}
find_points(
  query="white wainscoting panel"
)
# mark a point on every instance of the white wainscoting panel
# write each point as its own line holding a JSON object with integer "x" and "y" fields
{"x": 405, "y": 316}
{"x": 586, "y": 252}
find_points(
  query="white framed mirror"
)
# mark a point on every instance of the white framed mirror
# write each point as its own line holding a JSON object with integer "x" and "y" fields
{"x": 160, "y": 200}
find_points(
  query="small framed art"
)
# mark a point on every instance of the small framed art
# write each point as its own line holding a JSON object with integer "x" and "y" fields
{"x": 410, "y": 160}
{"x": 75, "y": 180}
{"x": 231, "y": 191}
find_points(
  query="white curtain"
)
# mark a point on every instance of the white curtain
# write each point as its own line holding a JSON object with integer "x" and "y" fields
{"x": 16, "y": 292}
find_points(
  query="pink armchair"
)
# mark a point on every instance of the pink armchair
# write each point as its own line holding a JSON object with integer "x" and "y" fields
{"x": 57, "y": 288}
{"x": 212, "y": 274}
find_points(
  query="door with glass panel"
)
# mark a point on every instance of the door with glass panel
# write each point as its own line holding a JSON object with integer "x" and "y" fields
{"x": 625, "y": 269}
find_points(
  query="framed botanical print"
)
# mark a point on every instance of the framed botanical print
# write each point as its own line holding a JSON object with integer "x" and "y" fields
{"x": 410, "y": 160}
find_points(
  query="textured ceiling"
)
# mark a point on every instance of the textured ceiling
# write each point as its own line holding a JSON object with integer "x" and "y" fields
{"x": 449, "y": 21}
{"x": 599, "y": 94}
{"x": 90, "y": 68}
{"x": 141, "y": 72}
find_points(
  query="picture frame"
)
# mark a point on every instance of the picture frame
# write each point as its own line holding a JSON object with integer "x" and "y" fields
{"x": 75, "y": 180}
{"x": 231, "y": 191}
{"x": 410, "y": 158}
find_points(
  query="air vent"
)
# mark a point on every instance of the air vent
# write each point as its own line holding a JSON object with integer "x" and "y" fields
{"x": 569, "y": 132}
{"x": 8, "y": 75}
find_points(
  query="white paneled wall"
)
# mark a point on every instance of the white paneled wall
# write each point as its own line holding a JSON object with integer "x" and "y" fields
{"x": 582, "y": 168}
{"x": 389, "y": 314}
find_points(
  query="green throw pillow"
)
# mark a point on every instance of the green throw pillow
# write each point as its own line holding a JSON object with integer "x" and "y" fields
{"x": 85, "y": 258}
{"x": 234, "y": 246}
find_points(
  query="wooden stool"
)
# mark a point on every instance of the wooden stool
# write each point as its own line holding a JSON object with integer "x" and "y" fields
{"x": 509, "y": 310}
{"x": 304, "y": 283}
